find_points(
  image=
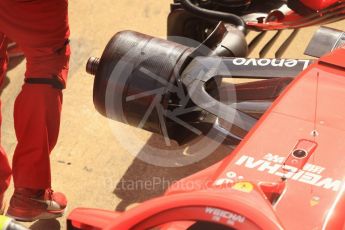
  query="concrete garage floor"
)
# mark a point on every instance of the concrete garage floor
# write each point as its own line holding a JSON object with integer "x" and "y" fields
{"x": 91, "y": 164}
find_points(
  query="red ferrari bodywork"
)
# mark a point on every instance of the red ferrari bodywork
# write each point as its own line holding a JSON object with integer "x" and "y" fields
{"x": 324, "y": 11}
{"x": 318, "y": 4}
{"x": 288, "y": 173}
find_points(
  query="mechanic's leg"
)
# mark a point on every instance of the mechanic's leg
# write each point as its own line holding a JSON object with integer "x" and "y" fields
{"x": 36, "y": 119}
{"x": 37, "y": 113}
{"x": 5, "y": 170}
{"x": 43, "y": 35}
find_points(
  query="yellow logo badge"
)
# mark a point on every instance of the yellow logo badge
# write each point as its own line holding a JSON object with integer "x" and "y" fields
{"x": 243, "y": 187}
{"x": 314, "y": 201}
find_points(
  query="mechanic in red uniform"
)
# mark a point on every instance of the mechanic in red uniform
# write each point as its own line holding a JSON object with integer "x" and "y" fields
{"x": 41, "y": 29}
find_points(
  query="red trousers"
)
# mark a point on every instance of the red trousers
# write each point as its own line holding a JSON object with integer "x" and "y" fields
{"x": 40, "y": 28}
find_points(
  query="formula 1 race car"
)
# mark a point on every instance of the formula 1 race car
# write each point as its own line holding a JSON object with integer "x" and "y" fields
{"x": 286, "y": 171}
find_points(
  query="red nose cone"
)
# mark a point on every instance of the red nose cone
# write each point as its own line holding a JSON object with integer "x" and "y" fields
{"x": 318, "y": 4}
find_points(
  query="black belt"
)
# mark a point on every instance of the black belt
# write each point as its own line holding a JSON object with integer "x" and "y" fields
{"x": 54, "y": 82}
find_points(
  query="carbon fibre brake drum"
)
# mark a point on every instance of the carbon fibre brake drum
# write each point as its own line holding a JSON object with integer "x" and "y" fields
{"x": 137, "y": 83}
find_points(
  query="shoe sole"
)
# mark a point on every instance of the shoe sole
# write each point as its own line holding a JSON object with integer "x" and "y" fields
{"x": 43, "y": 216}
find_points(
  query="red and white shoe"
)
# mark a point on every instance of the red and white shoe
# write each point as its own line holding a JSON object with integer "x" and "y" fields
{"x": 28, "y": 205}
